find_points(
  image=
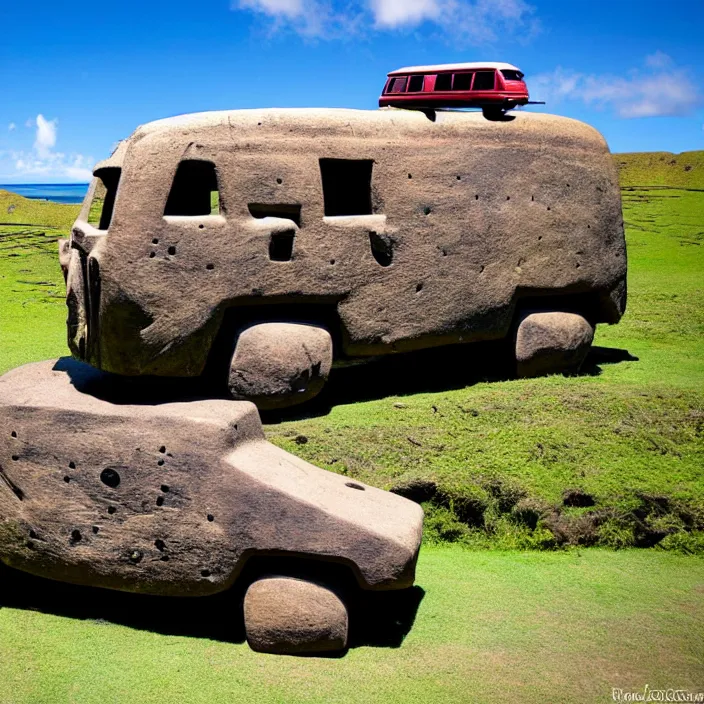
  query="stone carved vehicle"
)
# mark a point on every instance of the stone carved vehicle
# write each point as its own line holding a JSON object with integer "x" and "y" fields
{"x": 260, "y": 247}
{"x": 177, "y": 498}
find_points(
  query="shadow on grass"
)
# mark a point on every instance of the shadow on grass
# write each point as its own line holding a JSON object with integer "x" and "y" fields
{"x": 426, "y": 371}
{"x": 381, "y": 619}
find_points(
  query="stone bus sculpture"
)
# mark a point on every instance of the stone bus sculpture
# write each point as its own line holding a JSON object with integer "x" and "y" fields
{"x": 176, "y": 498}
{"x": 263, "y": 246}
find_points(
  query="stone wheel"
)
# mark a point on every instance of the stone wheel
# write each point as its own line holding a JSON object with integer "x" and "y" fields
{"x": 276, "y": 365}
{"x": 286, "y": 615}
{"x": 551, "y": 343}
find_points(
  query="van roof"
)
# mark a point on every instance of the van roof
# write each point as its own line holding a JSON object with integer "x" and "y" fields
{"x": 453, "y": 67}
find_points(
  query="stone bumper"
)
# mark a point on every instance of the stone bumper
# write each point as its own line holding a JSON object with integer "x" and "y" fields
{"x": 173, "y": 498}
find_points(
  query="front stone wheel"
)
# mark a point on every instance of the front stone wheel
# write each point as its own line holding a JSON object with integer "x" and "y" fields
{"x": 284, "y": 615}
{"x": 276, "y": 365}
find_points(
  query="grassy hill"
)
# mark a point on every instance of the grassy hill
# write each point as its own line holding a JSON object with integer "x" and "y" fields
{"x": 503, "y": 464}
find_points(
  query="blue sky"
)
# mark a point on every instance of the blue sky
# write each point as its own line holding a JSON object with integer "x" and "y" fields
{"x": 77, "y": 77}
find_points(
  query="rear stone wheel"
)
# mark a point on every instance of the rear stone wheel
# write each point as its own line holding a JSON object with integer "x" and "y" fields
{"x": 284, "y": 615}
{"x": 277, "y": 365}
{"x": 552, "y": 343}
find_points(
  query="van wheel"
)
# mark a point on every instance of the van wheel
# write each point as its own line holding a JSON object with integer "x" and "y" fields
{"x": 277, "y": 365}
{"x": 286, "y": 615}
{"x": 551, "y": 343}
{"x": 493, "y": 113}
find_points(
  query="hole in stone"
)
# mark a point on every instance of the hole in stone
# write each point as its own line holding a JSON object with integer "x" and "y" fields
{"x": 14, "y": 433}
{"x": 279, "y": 181}
{"x": 347, "y": 186}
{"x": 382, "y": 248}
{"x": 410, "y": 175}
{"x": 164, "y": 558}
{"x": 67, "y": 479}
{"x": 508, "y": 197}
{"x": 352, "y": 485}
{"x": 426, "y": 210}
{"x": 159, "y": 500}
{"x": 103, "y": 202}
{"x": 171, "y": 250}
{"x": 289, "y": 211}
{"x": 165, "y": 488}
{"x": 95, "y": 530}
{"x": 459, "y": 178}
{"x": 419, "y": 288}
{"x": 111, "y": 510}
{"x": 136, "y": 556}
{"x": 72, "y": 465}
{"x": 15, "y": 458}
{"x": 155, "y": 241}
{"x": 476, "y": 197}
{"x": 160, "y": 463}
{"x": 332, "y": 261}
{"x": 160, "y": 545}
{"x": 194, "y": 190}
{"x": 589, "y": 227}
{"x": 201, "y": 226}
{"x": 32, "y": 534}
{"x": 577, "y": 265}
{"x": 210, "y": 517}
{"x": 540, "y": 237}
{"x": 76, "y": 536}
{"x": 205, "y": 573}
{"x": 532, "y": 197}
{"x": 281, "y": 246}
{"x": 152, "y": 255}
{"x": 481, "y": 268}
{"x": 30, "y": 545}
{"x": 110, "y": 477}
{"x": 210, "y": 267}
{"x": 162, "y": 449}
{"x": 548, "y": 207}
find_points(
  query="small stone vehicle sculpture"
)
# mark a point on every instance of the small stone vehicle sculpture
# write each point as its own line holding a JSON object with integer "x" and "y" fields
{"x": 176, "y": 498}
{"x": 260, "y": 247}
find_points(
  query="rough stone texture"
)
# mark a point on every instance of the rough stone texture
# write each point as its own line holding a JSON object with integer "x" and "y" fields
{"x": 464, "y": 221}
{"x": 173, "y": 498}
{"x": 548, "y": 343}
{"x": 284, "y": 615}
{"x": 280, "y": 364}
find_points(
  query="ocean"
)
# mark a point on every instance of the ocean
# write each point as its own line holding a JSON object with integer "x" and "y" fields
{"x": 57, "y": 192}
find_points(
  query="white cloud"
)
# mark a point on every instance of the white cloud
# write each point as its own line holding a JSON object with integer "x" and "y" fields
{"x": 43, "y": 161}
{"x": 12, "y": 127}
{"x": 46, "y": 136}
{"x": 461, "y": 21}
{"x": 660, "y": 90}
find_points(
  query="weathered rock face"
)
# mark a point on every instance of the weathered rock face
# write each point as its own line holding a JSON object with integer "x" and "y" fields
{"x": 284, "y": 615}
{"x": 552, "y": 343}
{"x": 280, "y": 364}
{"x": 398, "y": 231}
{"x": 173, "y": 498}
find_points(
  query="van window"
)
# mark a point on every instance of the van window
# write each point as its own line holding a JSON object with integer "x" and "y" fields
{"x": 347, "y": 186}
{"x": 484, "y": 80}
{"x": 398, "y": 84}
{"x": 415, "y": 85}
{"x": 443, "y": 81}
{"x": 103, "y": 202}
{"x": 510, "y": 75}
{"x": 194, "y": 190}
{"x": 462, "y": 81}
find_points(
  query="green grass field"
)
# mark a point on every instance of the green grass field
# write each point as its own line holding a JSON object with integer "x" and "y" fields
{"x": 495, "y": 624}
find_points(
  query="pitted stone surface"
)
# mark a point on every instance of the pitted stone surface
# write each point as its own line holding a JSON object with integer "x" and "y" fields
{"x": 284, "y": 615}
{"x": 280, "y": 364}
{"x": 173, "y": 498}
{"x": 551, "y": 343}
{"x": 463, "y": 218}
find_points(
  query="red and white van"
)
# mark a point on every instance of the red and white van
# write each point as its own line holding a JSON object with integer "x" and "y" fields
{"x": 495, "y": 87}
